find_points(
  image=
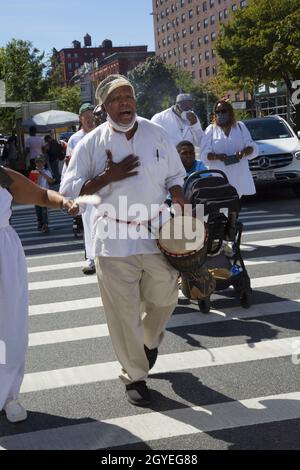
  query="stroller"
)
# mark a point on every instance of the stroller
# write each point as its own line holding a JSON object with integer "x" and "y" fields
{"x": 224, "y": 261}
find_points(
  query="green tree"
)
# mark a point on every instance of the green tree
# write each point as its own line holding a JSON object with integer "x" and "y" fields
{"x": 54, "y": 74}
{"x": 155, "y": 86}
{"x": 261, "y": 44}
{"x": 23, "y": 70}
{"x": 68, "y": 99}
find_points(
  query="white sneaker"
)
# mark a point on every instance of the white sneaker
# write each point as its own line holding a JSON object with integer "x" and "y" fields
{"x": 15, "y": 412}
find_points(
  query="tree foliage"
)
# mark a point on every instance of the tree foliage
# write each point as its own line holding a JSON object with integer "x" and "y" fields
{"x": 157, "y": 85}
{"x": 22, "y": 67}
{"x": 68, "y": 99}
{"x": 261, "y": 43}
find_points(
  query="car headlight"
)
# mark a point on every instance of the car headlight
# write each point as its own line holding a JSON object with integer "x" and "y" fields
{"x": 297, "y": 155}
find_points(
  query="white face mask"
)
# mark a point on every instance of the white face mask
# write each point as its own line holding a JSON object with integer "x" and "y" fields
{"x": 184, "y": 115}
{"x": 122, "y": 127}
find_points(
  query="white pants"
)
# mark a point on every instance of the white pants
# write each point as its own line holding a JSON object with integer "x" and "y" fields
{"x": 13, "y": 315}
{"x": 130, "y": 288}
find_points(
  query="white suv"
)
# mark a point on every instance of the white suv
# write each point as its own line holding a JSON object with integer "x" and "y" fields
{"x": 279, "y": 152}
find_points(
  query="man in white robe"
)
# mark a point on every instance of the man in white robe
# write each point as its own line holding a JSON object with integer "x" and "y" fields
{"x": 180, "y": 122}
{"x": 128, "y": 161}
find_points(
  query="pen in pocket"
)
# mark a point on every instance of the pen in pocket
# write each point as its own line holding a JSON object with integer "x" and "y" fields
{"x": 157, "y": 155}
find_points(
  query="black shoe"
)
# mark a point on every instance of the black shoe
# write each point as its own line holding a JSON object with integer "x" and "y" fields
{"x": 151, "y": 356}
{"x": 88, "y": 270}
{"x": 138, "y": 393}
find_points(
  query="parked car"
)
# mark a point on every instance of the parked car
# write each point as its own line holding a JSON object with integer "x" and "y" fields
{"x": 279, "y": 152}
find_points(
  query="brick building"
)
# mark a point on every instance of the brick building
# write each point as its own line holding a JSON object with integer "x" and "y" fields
{"x": 73, "y": 58}
{"x": 186, "y": 30}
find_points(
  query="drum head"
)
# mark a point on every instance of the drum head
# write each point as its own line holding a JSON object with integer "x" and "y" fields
{"x": 182, "y": 235}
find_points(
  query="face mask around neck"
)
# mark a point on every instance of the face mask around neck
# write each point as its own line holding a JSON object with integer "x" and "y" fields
{"x": 122, "y": 127}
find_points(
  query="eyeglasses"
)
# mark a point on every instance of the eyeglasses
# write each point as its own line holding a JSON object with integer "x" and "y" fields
{"x": 221, "y": 111}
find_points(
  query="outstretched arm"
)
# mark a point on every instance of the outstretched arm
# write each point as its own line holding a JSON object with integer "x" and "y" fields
{"x": 26, "y": 192}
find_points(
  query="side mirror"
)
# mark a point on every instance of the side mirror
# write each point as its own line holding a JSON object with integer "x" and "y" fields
{"x": 298, "y": 134}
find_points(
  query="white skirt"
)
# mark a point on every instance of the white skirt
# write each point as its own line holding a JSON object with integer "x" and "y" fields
{"x": 13, "y": 315}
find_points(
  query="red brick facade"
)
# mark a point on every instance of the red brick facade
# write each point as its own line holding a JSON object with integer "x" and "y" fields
{"x": 73, "y": 58}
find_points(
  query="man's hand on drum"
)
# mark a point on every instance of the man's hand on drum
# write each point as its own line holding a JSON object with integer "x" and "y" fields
{"x": 124, "y": 169}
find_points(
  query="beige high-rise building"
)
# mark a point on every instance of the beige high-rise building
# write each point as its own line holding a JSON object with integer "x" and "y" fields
{"x": 186, "y": 33}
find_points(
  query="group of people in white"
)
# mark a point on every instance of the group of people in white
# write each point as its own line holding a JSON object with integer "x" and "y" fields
{"x": 125, "y": 156}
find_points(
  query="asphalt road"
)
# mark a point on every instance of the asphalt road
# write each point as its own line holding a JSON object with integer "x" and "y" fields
{"x": 227, "y": 380}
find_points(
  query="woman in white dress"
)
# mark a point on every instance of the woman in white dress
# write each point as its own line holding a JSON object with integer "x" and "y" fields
{"x": 14, "y": 287}
{"x": 227, "y": 146}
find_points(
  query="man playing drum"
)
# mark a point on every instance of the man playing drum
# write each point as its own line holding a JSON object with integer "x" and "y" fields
{"x": 130, "y": 157}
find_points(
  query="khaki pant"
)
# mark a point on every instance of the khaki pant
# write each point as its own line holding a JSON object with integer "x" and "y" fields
{"x": 131, "y": 287}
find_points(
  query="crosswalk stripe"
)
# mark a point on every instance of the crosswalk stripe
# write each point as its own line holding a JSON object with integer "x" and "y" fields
{"x": 59, "y": 378}
{"x": 52, "y": 245}
{"x": 151, "y": 426}
{"x": 68, "y": 306}
{"x": 264, "y": 216}
{"x": 270, "y": 222}
{"x": 56, "y": 267}
{"x": 54, "y": 255}
{"x": 252, "y": 262}
{"x": 263, "y": 231}
{"x": 41, "y": 237}
{"x": 176, "y": 321}
{"x": 96, "y": 302}
{"x": 266, "y": 281}
{"x": 274, "y": 242}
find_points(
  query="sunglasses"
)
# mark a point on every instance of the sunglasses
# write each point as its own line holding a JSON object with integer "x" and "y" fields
{"x": 221, "y": 111}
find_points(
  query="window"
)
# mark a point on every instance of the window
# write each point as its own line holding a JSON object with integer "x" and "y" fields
{"x": 213, "y": 53}
{"x": 200, "y": 73}
{"x": 191, "y": 14}
{"x": 169, "y": 39}
{"x": 191, "y": 29}
{"x": 192, "y": 45}
{"x": 193, "y": 60}
{"x": 183, "y": 33}
{"x": 206, "y": 39}
{"x": 205, "y": 23}
{"x": 163, "y": 28}
{"x": 206, "y": 55}
{"x": 204, "y": 6}
{"x": 167, "y": 11}
{"x": 69, "y": 66}
{"x": 182, "y": 3}
{"x": 243, "y": 3}
{"x": 211, "y": 3}
{"x": 234, "y": 7}
{"x": 214, "y": 70}
{"x": 199, "y": 42}
{"x": 213, "y": 36}
{"x": 207, "y": 71}
{"x": 185, "y": 62}
{"x": 158, "y": 44}
{"x": 184, "y": 48}
{"x": 225, "y": 13}
{"x": 183, "y": 17}
{"x": 200, "y": 57}
{"x": 164, "y": 42}
{"x": 212, "y": 19}
{"x": 170, "y": 54}
{"x": 220, "y": 15}
{"x": 198, "y": 25}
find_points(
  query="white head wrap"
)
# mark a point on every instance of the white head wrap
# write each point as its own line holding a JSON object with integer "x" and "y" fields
{"x": 105, "y": 89}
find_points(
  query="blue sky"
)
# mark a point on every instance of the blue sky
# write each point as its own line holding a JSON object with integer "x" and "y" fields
{"x": 56, "y": 23}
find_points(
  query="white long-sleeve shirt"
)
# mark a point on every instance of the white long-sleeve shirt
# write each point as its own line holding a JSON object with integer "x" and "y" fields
{"x": 179, "y": 129}
{"x": 216, "y": 141}
{"x": 160, "y": 169}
